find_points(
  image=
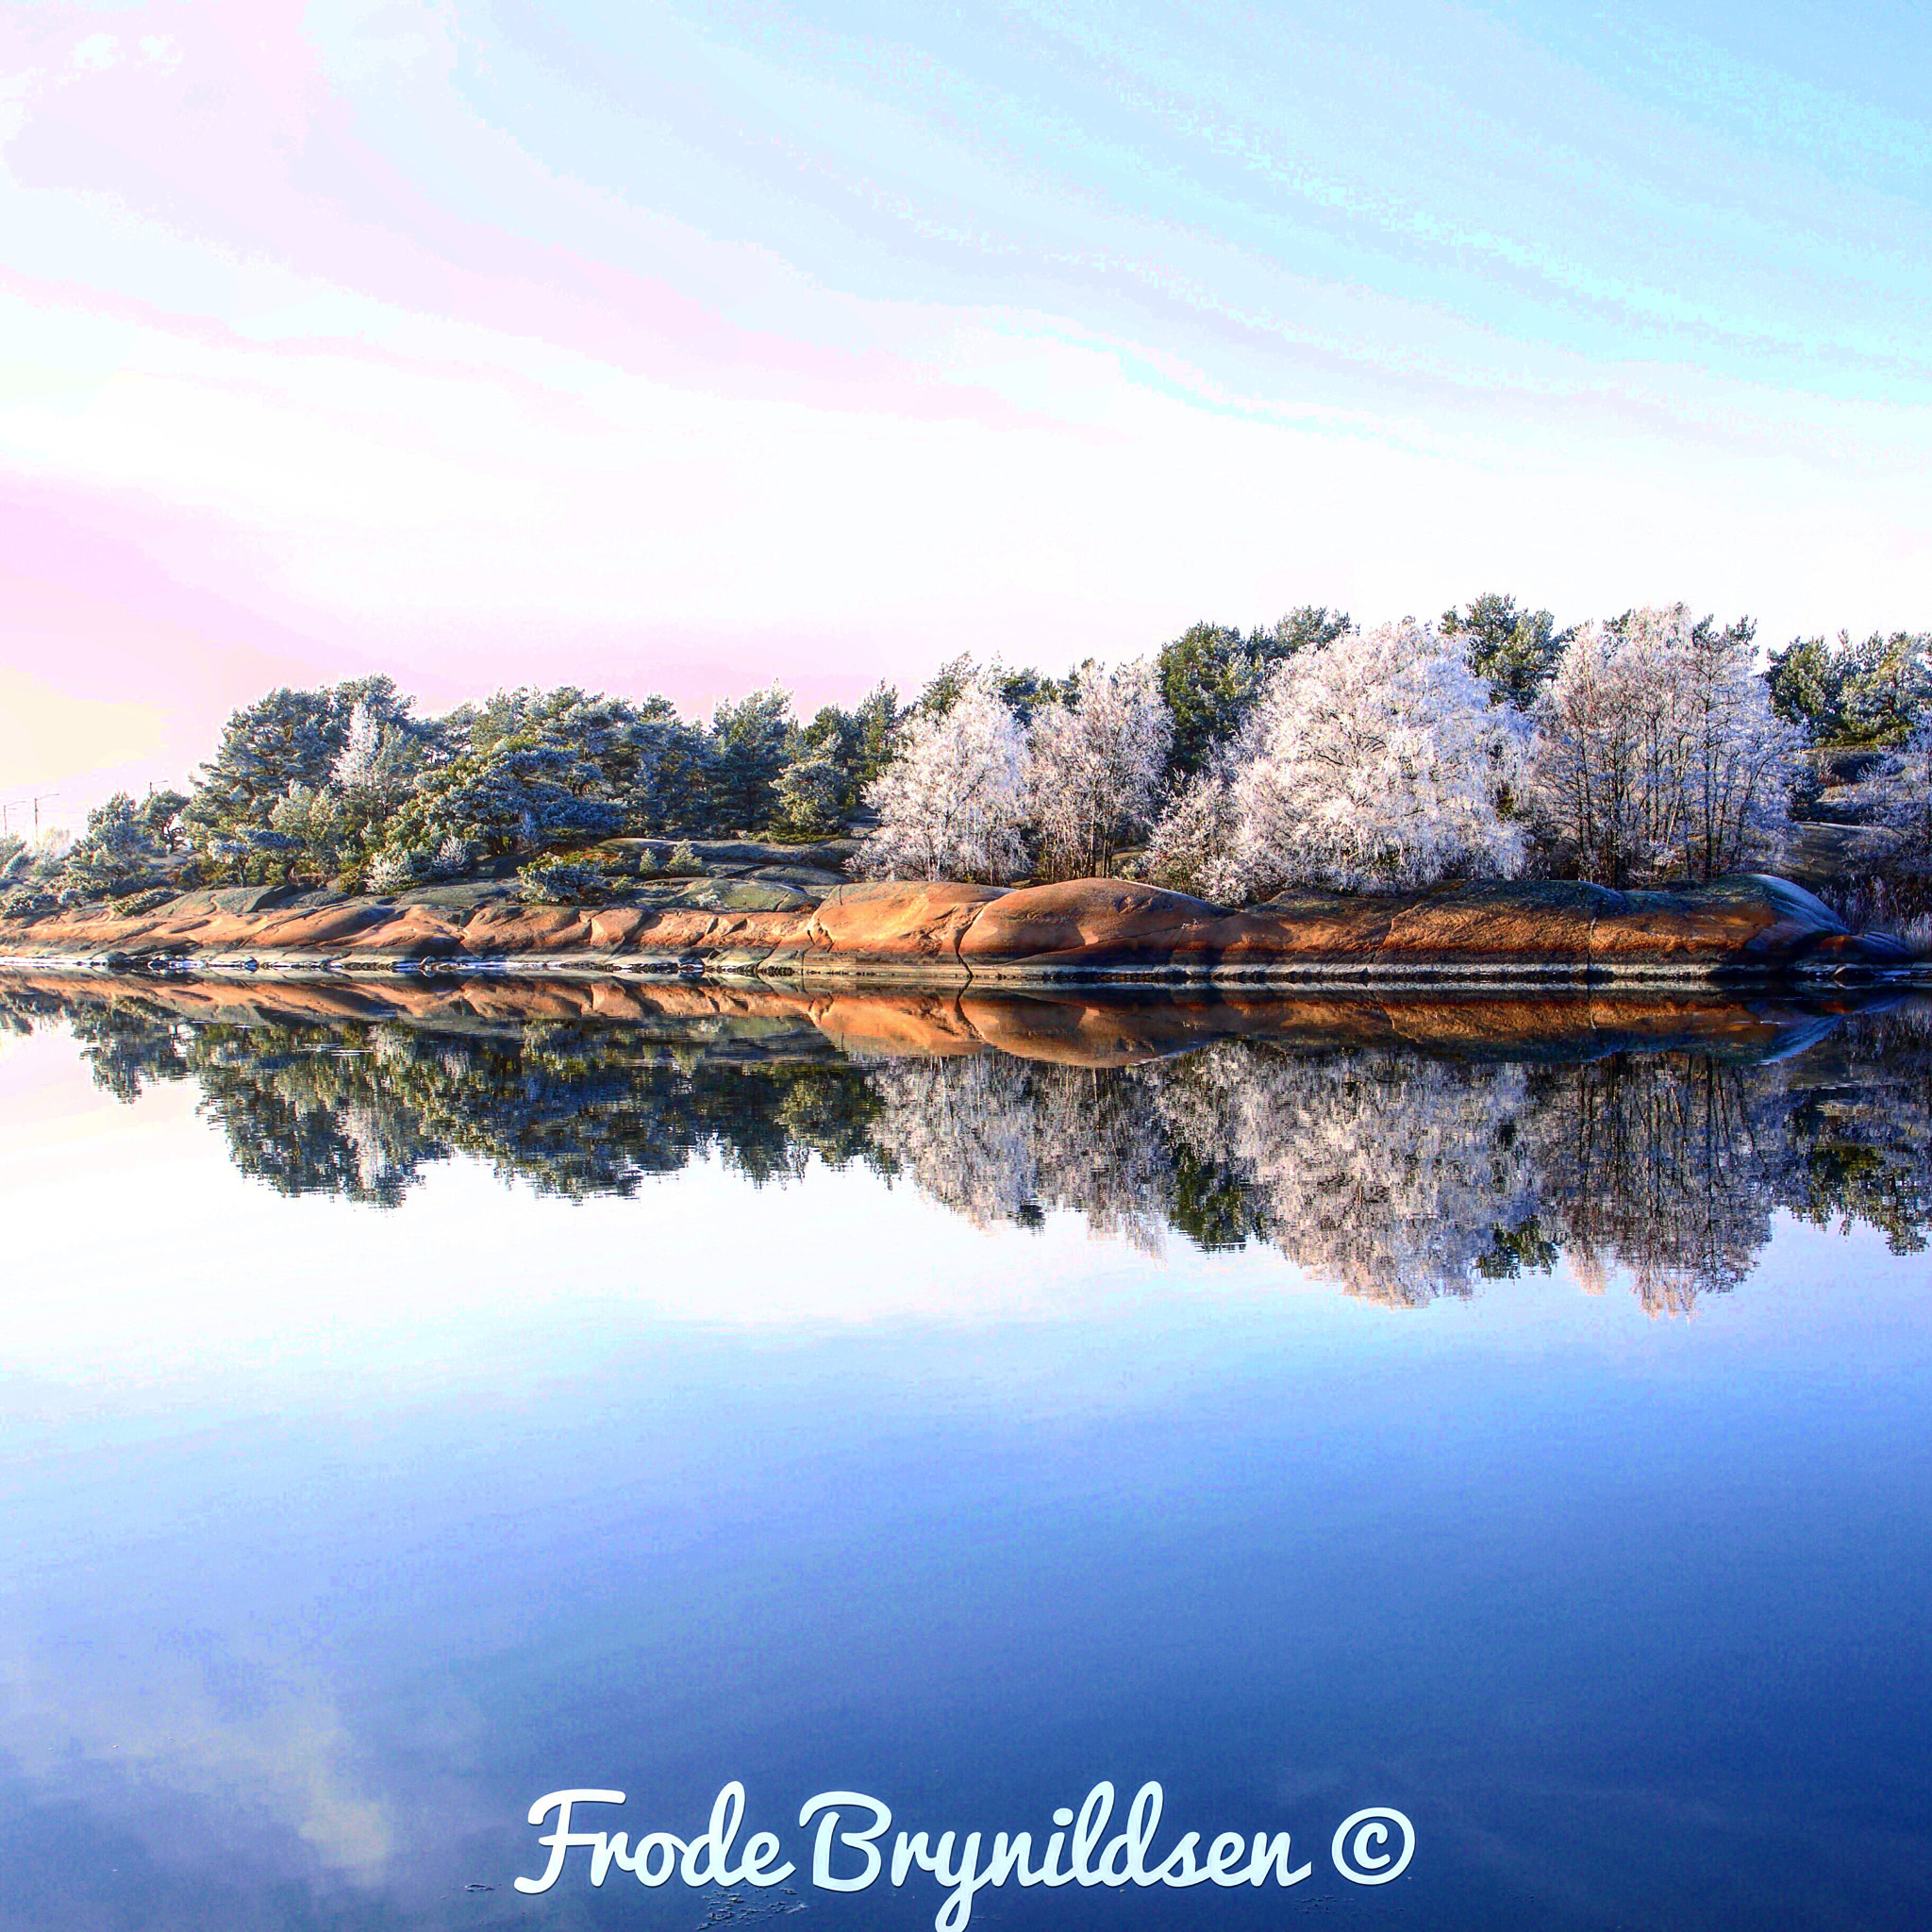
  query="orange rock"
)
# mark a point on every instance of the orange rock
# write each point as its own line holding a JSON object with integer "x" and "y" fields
{"x": 944, "y": 935}
{"x": 895, "y": 1023}
{"x": 894, "y": 929}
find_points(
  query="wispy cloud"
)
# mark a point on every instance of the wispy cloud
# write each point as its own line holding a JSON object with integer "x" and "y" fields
{"x": 680, "y": 348}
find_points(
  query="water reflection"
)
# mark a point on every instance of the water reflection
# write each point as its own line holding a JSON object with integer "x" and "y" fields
{"x": 1402, "y": 1151}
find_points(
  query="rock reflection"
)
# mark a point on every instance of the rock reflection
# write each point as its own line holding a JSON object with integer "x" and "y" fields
{"x": 1401, "y": 1152}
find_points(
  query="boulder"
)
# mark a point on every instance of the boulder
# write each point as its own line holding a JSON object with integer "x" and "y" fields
{"x": 893, "y": 929}
{"x": 1085, "y": 925}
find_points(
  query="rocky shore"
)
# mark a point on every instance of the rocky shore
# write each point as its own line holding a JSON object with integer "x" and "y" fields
{"x": 1743, "y": 930}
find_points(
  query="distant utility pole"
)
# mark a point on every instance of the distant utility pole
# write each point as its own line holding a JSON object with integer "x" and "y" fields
{"x": 37, "y": 801}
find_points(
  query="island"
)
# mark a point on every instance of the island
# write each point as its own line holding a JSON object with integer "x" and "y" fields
{"x": 787, "y": 916}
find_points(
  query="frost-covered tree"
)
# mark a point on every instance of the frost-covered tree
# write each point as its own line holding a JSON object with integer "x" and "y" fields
{"x": 1388, "y": 1173}
{"x": 1898, "y": 804}
{"x": 1007, "y": 1140}
{"x": 1658, "y": 751}
{"x": 287, "y": 738}
{"x": 1095, "y": 764}
{"x": 379, "y": 757}
{"x": 1378, "y": 764}
{"x": 1193, "y": 844}
{"x": 1741, "y": 760}
{"x": 951, "y": 803}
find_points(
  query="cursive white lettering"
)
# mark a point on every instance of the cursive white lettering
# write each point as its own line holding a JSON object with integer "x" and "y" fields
{"x": 707, "y": 1859}
{"x": 1092, "y": 1822}
{"x": 1078, "y": 1853}
{"x": 858, "y": 1840}
{"x": 1273, "y": 1853}
{"x": 564, "y": 1838}
{"x": 1221, "y": 1857}
{"x": 1124, "y": 1862}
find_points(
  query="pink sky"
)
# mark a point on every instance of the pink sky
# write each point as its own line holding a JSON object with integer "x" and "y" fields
{"x": 337, "y": 341}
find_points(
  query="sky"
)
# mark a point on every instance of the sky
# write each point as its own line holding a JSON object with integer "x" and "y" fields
{"x": 684, "y": 348}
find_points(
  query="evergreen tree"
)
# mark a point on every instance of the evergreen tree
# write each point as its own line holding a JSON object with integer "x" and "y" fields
{"x": 161, "y": 815}
{"x": 287, "y": 738}
{"x": 113, "y": 855}
{"x": 1212, "y": 678}
{"x": 751, "y": 738}
{"x": 1208, "y": 681}
{"x": 1514, "y": 652}
{"x": 1888, "y": 686}
{"x": 1806, "y": 683}
{"x": 877, "y": 719}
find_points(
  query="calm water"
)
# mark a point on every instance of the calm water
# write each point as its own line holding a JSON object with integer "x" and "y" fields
{"x": 1514, "y": 1417}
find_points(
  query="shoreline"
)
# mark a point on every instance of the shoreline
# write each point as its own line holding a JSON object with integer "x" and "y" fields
{"x": 1751, "y": 931}
{"x": 754, "y": 1021}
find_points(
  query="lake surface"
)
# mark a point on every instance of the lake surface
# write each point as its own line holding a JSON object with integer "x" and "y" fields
{"x": 1510, "y": 1416}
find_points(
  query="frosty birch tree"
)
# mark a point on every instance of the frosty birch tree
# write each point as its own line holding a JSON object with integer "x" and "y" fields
{"x": 1658, "y": 749}
{"x": 1094, "y": 766}
{"x": 1378, "y": 764}
{"x": 952, "y": 802}
{"x": 1193, "y": 842}
{"x": 378, "y": 757}
{"x": 1740, "y": 760}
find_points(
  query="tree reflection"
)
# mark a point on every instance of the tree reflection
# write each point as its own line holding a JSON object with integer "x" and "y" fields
{"x": 1400, "y": 1174}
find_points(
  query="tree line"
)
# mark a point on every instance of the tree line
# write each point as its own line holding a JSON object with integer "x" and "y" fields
{"x": 1489, "y": 743}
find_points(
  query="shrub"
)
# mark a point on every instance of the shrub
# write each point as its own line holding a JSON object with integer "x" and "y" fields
{"x": 452, "y": 858}
{"x": 390, "y": 872}
{"x": 131, "y": 904}
{"x": 551, "y": 882}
